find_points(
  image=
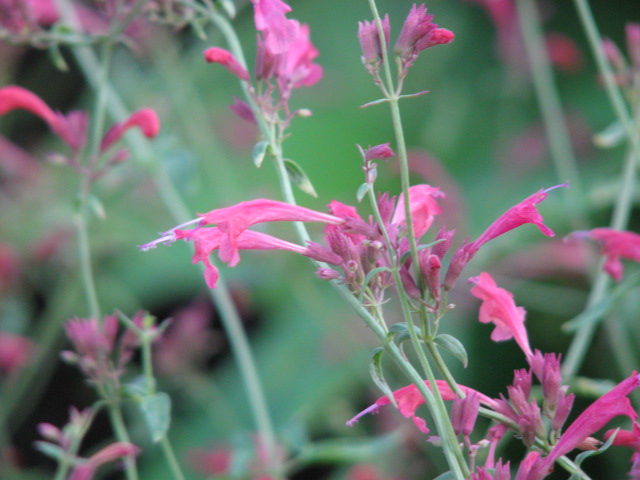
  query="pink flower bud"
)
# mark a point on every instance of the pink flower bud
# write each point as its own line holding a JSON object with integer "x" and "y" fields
{"x": 227, "y": 60}
{"x": 145, "y": 119}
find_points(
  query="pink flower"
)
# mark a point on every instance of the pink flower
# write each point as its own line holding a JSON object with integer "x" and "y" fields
{"x": 370, "y": 43}
{"x": 145, "y": 119}
{"x": 295, "y": 68}
{"x": 616, "y": 244}
{"x": 86, "y": 470}
{"x": 15, "y": 352}
{"x": 409, "y": 399}
{"x": 207, "y": 240}
{"x": 70, "y": 128}
{"x": 596, "y": 416}
{"x": 419, "y": 33}
{"x": 563, "y": 52}
{"x": 227, "y": 60}
{"x": 423, "y": 206}
{"x": 231, "y": 235}
{"x": 211, "y": 462}
{"x": 523, "y": 212}
{"x": 278, "y": 31}
{"x": 499, "y": 308}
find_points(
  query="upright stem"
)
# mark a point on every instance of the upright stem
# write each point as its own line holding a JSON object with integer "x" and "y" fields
{"x": 120, "y": 431}
{"x": 622, "y": 207}
{"x": 84, "y": 252}
{"x": 551, "y": 108}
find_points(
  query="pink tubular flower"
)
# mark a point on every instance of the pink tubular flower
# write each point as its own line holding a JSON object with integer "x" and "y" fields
{"x": 227, "y": 60}
{"x": 423, "y": 206}
{"x": 295, "y": 68}
{"x": 596, "y": 416}
{"x": 616, "y": 244}
{"x": 499, "y": 308}
{"x": 86, "y": 470}
{"x": 145, "y": 119}
{"x": 369, "y": 38}
{"x": 270, "y": 19}
{"x": 70, "y": 128}
{"x": 409, "y": 399}
{"x": 523, "y": 212}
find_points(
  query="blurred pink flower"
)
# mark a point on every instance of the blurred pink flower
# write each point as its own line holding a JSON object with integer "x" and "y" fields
{"x": 423, "y": 207}
{"x": 370, "y": 43}
{"x": 279, "y": 32}
{"x": 499, "y": 308}
{"x": 210, "y": 462}
{"x": 227, "y": 60}
{"x": 409, "y": 399}
{"x": 87, "y": 469}
{"x": 295, "y": 68}
{"x": 15, "y": 352}
{"x": 145, "y": 119}
{"x": 615, "y": 244}
{"x": 563, "y": 52}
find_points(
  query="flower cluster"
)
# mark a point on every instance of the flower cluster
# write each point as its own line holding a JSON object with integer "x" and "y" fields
{"x": 418, "y": 33}
{"x": 72, "y": 128}
{"x": 284, "y": 61}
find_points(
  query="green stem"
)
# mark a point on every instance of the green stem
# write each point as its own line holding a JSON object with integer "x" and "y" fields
{"x": 120, "y": 432}
{"x": 84, "y": 252}
{"x": 622, "y": 207}
{"x": 555, "y": 127}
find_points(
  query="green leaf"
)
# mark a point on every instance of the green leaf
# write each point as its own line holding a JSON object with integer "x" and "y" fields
{"x": 590, "y": 453}
{"x": 446, "y": 476}
{"x": 611, "y": 136}
{"x": 156, "y": 409}
{"x": 297, "y": 176}
{"x": 378, "y": 376}
{"x": 229, "y": 7}
{"x": 453, "y": 345}
{"x": 400, "y": 332}
{"x": 369, "y": 277}
{"x": 600, "y": 309}
{"x": 362, "y": 191}
{"x": 258, "y": 153}
{"x": 97, "y": 207}
{"x": 197, "y": 25}
{"x": 50, "y": 450}
{"x": 57, "y": 58}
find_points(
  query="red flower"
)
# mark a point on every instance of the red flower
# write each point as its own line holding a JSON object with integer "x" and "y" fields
{"x": 145, "y": 119}
{"x": 616, "y": 244}
{"x": 499, "y": 308}
{"x": 227, "y": 60}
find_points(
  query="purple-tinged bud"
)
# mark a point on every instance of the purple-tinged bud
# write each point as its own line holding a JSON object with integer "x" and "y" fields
{"x": 633, "y": 43}
{"x": 408, "y": 283}
{"x": 461, "y": 257}
{"x": 369, "y": 38}
{"x": 322, "y": 254}
{"x": 328, "y": 274}
{"x": 430, "y": 266}
{"x": 243, "y": 110}
{"x": 563, "y": 409}
{"x": 613, "y": 54}
{"x": 445, "y": 237}
{"x": 265, "y": 61}
{"x": 530, "y": 424}
{"x": 379, "y": 152}
{"x": 464, "y": 413}
{"x": 522, "y": 380}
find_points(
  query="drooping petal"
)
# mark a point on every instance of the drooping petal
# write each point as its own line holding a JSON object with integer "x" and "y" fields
{"x": 499, "y": 308}
{"x": 519, "y": 214}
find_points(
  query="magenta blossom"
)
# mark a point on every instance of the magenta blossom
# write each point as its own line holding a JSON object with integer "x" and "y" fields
{"x": 270, "y": 17}
{"x": 145, "y": 119}
{"x": 295, "y": 68}
{"x": 409, "y": 399}
{"x": 596, "y": 416}
{"x": 499, "y": 308}
{"x": 231, "y": 235}
{"x": 423, "y": 206}
{"x": 227, "y": 60}
{"x": 616, "y": 244}
{"x": 519, "y": 214}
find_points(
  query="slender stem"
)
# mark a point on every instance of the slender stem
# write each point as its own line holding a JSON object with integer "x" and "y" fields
{"x": 120, "y": 432}
{"x": 622, "y": 207}
{"x": 555, "y": 127}
{"x": 84, "y": 252}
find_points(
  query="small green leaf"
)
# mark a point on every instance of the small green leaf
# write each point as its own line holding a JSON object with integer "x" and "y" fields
{"x": 590, "y": 453}
{"x": 157, "y": 412}
{"x": 297, "y": 176}
{"x": 50, "y": 450}
{"x": 610, "y": 137}
{"x": 453, "y": 345}
{"x": 378, "y": 376}
{"x": 369, "y": 277}
{"x": 97, "y": 207}
{"x": 401, "y": 333}
{"x": 57, "y": 58}
{"x": 362, "y": 191}
{"x": 197, "y": 25}
{"x": 446, "y": 476}
{"x": 259, "y": 152}
{"x": 229, "y": 7}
